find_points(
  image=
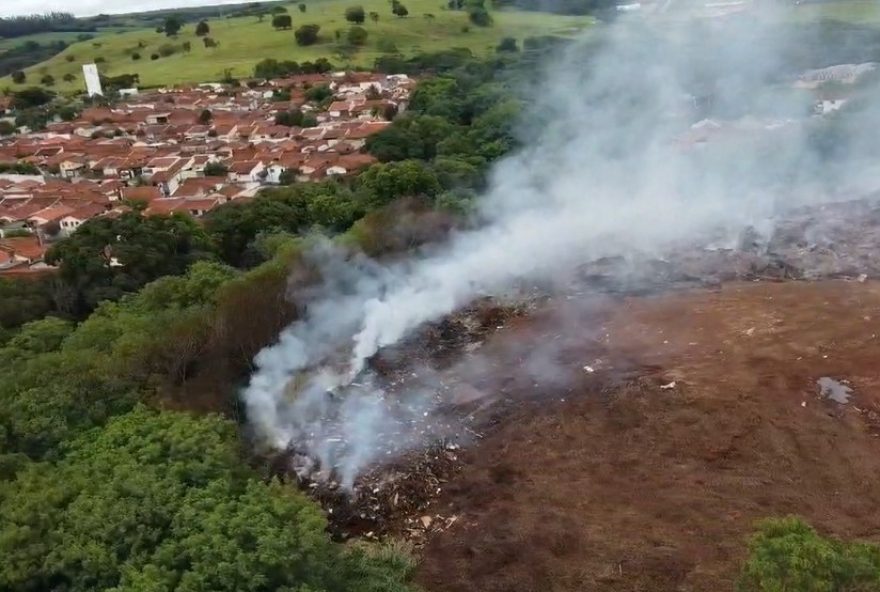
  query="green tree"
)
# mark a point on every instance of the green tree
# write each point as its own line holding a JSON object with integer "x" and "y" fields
{"x": 319, "y": 93}
{"x": 47, "y": 80}
{"x": 384, "y": 183}
{"x": 172, "y": 26}
{"x": 216, "y": 169}
{"x": 108, "y": 257}
{"x": 374, "y": 16}
{"x": 202, "y": 29}
{"x": 355, "y": 14}
{"x": 205, "y": 117}
{"x": 307, "y": 34}
{"x": 6, "y": 128}
{"x": 302, "y": 7}
{"x": 19, "y": 77}
{"x": 357, "y": 36}
{"x": 508, "y": 44}
{"x": 278, "y": 10}
{"x": 787, "y": 554}
{"x": 398, "y": 9}
{"x": 282, "y": 21}
{"x": 410, "y": 136}
{"x": 290, "y": 118}
{"x": 31, "y": 97}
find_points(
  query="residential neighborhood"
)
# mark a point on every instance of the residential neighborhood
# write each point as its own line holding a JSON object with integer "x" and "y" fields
{"x": 186, "y": 150}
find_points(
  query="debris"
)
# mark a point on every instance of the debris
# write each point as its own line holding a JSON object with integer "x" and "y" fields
{"x": 862, "y": 278}
{"x": 426, "y": 521}
{"x": 589, "y": 369}
{"x": 751, "y": 331}
{"x": 668, "y": 386}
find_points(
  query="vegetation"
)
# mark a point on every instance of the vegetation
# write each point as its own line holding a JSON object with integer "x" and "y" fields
{"x": 787, "y": 554}
{"x": 202, "y": 29}
{"x": 282, "y": 21}
{"x": 216, "y": 169}
{"x": 355, "y": 14}
{"x": 357, "y": 36}
{"x": 242, "y": 42}
{"x": 307, "y": 35}
{"x": 19, "y": 168}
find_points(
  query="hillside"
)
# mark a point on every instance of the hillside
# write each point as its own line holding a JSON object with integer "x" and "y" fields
{"x": 245, "y": 41}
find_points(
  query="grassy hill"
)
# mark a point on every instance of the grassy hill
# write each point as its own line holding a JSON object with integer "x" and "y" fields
{"x": 244, "y": 41}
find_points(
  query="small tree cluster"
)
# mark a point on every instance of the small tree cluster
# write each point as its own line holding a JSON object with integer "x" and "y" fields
{"x": 357, "y": 36}
{"x": 307, "y": 35}
{"x": 355, "y": 14}
{"x": 398, "y": 9}
{"x": 282, "y": 21}
{"x": 202, "y": 29}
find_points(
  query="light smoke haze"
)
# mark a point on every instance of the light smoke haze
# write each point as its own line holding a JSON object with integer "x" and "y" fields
{"x": 612, "y": 166}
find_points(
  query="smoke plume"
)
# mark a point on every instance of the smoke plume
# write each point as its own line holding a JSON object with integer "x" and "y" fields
{"x": 641, "y": 139}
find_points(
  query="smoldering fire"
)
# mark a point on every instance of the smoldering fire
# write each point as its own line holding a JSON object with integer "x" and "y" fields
{"x": 615, "y": 164}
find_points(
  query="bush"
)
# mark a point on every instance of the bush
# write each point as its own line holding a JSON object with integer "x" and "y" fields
{"x": 69, "y": 77}
{"x": 508, "y": 44}
{"x": 307, "y": 34}
{"x": 355, "y": 14}
{"x": 19, "y": 77}
{"x": 282, "y": 21}
{"x": 302, "y": 7}
{"x": 48, "y": 80}
{"x": 787, "y": 554}
{"x": 357, "y": 36}
{"x": 70, "y": 57}
{"x": 374, "y": 16}
{"x": 100, "y": 60}
{"x": 386, "y": 45}
{"x": 398, "y": 9}
{"x": 167, "y": 49}
{"x": 154, "y": 56}
{"x": 135, "y": 56}
{"x": 319, "y": 93}
{"x": 216, "y": 169}
{"x": 209, "y": 42}
{"x": 202, "y": 29}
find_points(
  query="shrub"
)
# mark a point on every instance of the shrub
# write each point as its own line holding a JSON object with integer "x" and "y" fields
{"x": 202, "y": 29}
{"x": 167, "y": 49}
{"x": 355, "y": 14}
{"x": 302, "y": 7}
{"x": 48, "y": 80}
{"x": 357, "y": 36}
{"x": 307, "y": 34}
{"x": 70, "y": 57}
{"x": 69, "y": 77}
{"x": 100, "y": 60}
{"x": 386, "y": 45}
{"x": 19, "y": 77}
{"x": 507, "y": 44}
{"x": 154, "y": 56}
{"x": 282, "y": 21}
{"x": 398, "y": 9}
{"x": 209, "y": 42}
{"x": 374, "y": 16}
{"x": 135, "y": 56}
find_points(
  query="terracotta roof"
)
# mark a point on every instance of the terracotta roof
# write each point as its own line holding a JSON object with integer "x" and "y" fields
{"x": 24, "y": 246}
{"x": 144, "y": 193}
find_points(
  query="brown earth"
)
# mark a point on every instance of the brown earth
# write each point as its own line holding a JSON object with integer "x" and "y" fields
{"x": 612, "y": 483}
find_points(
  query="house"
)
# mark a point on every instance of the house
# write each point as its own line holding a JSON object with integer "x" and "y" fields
{"x": 160, "y": 118}
{"x": 74, "y": 220}
{"x": 72, "y": 167}
{"x": 248, "y": 171}
{"x": 53, "y": 213}
{"x": 22, "y": 250}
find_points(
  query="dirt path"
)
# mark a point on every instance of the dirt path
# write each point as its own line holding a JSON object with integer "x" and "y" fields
{"x": 637, "y": 488}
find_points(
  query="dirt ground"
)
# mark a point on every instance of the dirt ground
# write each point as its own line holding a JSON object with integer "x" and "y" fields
{"x": 604, "y": 481}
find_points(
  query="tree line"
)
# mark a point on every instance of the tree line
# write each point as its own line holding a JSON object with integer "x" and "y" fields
{"x": 18, "y": 26}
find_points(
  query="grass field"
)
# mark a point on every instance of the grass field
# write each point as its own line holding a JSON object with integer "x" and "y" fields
{"x": 860, "y": 12}
{"x": 244, "y": 41}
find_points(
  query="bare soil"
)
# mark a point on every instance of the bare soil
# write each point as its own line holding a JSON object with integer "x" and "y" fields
{"x": 608, "y": 478}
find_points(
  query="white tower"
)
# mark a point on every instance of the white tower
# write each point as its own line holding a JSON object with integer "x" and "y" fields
{"x": 93, "y": 80}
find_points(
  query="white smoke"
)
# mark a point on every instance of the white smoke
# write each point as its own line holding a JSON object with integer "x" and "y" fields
{"x": 613, "y": 165}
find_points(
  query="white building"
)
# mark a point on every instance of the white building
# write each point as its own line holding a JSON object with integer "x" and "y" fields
{"x": 93, "y": 80}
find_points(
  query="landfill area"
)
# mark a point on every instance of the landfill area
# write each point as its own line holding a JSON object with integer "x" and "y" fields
{"x": 624, "y": 431}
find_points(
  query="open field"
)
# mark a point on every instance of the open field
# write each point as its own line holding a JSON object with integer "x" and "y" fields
{"x": 860, "y": 12}
{"x": 620, "y": 484}
{"x": 244, "y": 41}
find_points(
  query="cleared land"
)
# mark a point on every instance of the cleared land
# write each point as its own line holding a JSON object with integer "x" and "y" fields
{"x": 244, "y": 41}
{"x": 615, "y": 484}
